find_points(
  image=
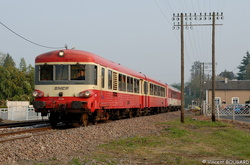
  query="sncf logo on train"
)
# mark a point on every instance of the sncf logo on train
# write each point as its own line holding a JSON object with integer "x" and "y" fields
{"x": 61, "y": 88}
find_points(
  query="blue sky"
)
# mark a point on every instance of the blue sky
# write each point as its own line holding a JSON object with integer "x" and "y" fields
{"x": 135, "y": 33}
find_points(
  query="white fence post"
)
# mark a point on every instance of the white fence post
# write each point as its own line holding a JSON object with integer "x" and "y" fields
{"x": 218, "y": 111}
{"x": 234, "y": 112}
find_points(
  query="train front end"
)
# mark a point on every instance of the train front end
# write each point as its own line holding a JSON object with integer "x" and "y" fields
{"x": 65, "y": 85}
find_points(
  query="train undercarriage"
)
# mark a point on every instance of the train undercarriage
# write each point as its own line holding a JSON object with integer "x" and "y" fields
{"x": 84, "y": 118}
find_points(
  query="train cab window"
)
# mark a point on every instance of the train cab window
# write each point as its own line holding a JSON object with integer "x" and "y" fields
{"x": 46, "y": 72}
{"x": 62, "y": 72}
{"x": 110, "y": 79}
{"x": 77, "y": 72}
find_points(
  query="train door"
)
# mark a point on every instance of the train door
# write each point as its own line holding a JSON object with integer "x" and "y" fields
{"x": 142, "y": 101}
{"x": 144, "y": 92}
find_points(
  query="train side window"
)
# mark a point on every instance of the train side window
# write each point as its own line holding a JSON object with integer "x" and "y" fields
{"x": 158, "y": 91}
{"x": 155, "y": 89}
{"x": 163, "y": 92}
{"x": 129, "y": 84}
{"x": 136, "y": 86}
{"x": 46, "y": 72}
{"x": 110, "y": 79}
{"x": 122, "y": 82}
{"x": 151, "y": 89}
{"x": 103, "y": 77}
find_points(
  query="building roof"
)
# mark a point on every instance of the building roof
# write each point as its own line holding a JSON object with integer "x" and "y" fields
{"x": 228, "y": 85}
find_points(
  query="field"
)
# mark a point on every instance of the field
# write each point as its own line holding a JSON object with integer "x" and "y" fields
{"x": 197, "y": 141}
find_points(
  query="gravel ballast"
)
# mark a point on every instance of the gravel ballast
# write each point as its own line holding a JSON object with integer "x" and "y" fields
{"x": 64, "y": 145}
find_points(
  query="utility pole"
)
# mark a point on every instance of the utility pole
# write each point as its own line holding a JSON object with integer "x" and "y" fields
{"x": 182, "y": 71}
{"x": 201, "y": 82}
{"x": 179, "y": 17}
{"x": 213, "y": 68}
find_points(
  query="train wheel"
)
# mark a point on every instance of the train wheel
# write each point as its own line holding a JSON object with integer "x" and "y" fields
{"x": 130, "y": 114}
{"x": 93, "y": 119}
{"x": 53, "y": 119}
{"x": 138, "y": 112}
{"x": 85, "y": 118}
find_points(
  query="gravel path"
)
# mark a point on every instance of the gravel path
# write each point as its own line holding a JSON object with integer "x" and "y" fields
{"x": 65, "y": 144}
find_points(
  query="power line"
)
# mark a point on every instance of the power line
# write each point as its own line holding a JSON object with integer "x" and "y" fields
{"x": 28, "y": 39}
{"x": 161, "y": 11}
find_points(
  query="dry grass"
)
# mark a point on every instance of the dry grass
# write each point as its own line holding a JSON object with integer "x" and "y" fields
{"x": 178, "y": 143}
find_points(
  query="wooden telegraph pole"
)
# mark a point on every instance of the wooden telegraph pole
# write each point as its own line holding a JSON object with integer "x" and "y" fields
{"x": 213, "y": 68}
{"x": 179, "y": 18}
{"x": 182, "y": 71}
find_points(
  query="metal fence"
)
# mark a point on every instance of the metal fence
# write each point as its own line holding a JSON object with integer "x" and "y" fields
{"x": 20, "y": 114}
{"x": 228, "y": 110}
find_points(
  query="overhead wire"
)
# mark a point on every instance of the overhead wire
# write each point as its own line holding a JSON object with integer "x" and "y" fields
{"x": 199, "y": 45}
{"x": 162, "y": 12}
{"x": 28, "y": 39}
{"x": 165, "y": 16}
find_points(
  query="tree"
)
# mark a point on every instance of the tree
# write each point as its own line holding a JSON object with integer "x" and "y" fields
{"x": 30, "y": 75}
{"x": 248, "y": 72}
{"x": 244, "y": 71}
{"x": 5, "y": 83}
{"x": 8, "y": 61}
{"x": 193, "y": 88}
{"x": 227, "y": 74}
{"x": 22, "y": 65}
{"x": 176, "y": 85}
{"x": 16, "y": 84}
{"x": 2, "y": 58}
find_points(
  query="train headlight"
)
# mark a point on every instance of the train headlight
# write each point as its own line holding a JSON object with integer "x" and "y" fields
{"x": 37, "y": 94}
{"x": 61, "y": 53}
{"x": 85, "y": 94}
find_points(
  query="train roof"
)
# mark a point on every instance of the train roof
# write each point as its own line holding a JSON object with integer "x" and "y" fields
{"x": 173, "y": 88}
{"x": 83, "y": 56}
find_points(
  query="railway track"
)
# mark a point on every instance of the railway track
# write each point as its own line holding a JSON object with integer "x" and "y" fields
{"x": 23, "y": 124}
{"x": 12, "y": 135}
{"x": 22, "y": 130}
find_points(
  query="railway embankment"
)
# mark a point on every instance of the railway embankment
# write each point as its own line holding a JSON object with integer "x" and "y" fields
{"x": 158, "y": 139}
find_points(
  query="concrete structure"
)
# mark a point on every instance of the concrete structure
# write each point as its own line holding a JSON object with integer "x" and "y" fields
{"x": 19, "y": 111}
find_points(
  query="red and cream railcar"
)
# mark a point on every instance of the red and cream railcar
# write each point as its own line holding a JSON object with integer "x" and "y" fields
{"x": 174, "y": 98}
{"x": 73, "y": 85}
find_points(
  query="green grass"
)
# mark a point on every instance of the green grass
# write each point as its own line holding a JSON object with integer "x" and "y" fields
{"x": 179, "y": 143}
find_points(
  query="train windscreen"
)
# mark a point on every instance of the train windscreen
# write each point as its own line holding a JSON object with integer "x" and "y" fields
{"x": 67, "y": 74}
